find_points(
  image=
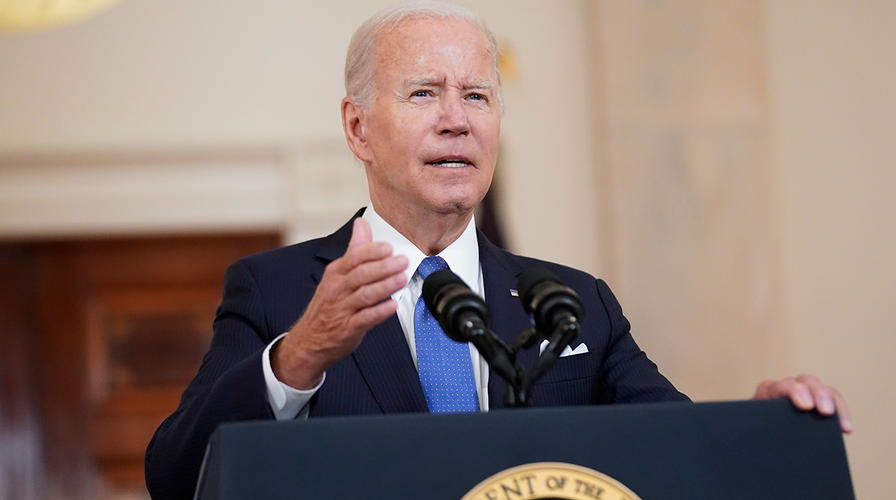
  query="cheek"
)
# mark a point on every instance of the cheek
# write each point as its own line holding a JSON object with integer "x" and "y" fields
{"x": 386, "y": 138}
{"x": 490, "y": 130}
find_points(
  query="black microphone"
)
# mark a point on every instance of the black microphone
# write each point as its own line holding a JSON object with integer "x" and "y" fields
{"x": 556, "y": 309}
{"x": 463, "y": 316}
{"x": 550, "y": 302}
{"x": 458, "y": 310}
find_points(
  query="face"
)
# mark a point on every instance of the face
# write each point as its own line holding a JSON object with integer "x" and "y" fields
{"x": 430, "y": 139}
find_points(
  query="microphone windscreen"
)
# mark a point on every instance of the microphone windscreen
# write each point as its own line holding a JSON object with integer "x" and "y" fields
{"x": 529, "y": 280}
{"x": 435, "y": 283}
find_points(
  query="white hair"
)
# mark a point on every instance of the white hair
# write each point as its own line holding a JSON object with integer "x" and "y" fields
{"x": 360, "y": 71}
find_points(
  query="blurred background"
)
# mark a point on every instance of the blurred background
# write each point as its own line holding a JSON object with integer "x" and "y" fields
{"x": 727, "y": 167}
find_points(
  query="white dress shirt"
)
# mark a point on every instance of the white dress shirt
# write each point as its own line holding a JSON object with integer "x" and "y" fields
{"x": 462, "y": 257}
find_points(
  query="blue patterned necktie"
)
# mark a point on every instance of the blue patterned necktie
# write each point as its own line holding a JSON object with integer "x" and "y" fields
{"x": 446, "y": 372}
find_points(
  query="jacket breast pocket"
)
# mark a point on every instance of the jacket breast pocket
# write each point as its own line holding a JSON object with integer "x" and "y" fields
{"x": 574, "y": 367}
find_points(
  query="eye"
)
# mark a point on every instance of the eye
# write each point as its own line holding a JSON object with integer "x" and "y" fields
{"x": 477, "y": 97}
{"x": 421, "y": 93}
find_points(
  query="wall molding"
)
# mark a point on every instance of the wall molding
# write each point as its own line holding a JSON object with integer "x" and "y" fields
{"x": 298, "y": 190}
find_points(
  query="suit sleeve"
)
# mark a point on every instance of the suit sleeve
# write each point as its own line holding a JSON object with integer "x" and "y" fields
{"x": 627, "y": 375}
{"x": 230, "y": 386}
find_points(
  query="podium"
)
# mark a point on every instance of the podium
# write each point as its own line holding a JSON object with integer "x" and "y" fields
{"x": 726, "y": 450}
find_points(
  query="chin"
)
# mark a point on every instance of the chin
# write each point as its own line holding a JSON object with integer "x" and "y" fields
{"x": 458, "y": 206}
{"x": 461, "y": 201}
{"x": 462, "y": 208}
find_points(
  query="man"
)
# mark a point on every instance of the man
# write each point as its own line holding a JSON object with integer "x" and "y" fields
{"x": 423, "y": 113}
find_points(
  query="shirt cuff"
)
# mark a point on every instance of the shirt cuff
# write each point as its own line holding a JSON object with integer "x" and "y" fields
{"x": 286, "y": 402}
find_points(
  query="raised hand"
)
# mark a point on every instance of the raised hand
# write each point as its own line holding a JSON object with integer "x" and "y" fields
{"x": 353, "y": 296}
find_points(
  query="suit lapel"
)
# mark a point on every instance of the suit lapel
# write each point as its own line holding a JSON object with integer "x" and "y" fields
{"x": 499, "y": 274}
{"x": 386, "y": 365}
{"x": 333, "y": 246}
{"x": 383, "y": 357}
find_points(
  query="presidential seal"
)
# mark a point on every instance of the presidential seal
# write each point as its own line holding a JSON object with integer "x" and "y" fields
{"x": 550, "y": 480}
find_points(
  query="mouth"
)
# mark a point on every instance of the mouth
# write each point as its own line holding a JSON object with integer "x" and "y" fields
{"x": 451, "y": 162}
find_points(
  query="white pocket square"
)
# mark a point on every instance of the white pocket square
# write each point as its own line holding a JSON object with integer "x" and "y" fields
{"x": 567, "y": 351}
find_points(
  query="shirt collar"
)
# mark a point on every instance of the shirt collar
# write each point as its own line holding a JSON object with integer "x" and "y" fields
{"x": 462, "y": 255}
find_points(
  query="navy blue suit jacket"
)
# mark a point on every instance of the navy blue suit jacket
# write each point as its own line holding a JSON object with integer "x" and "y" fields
{"x": 266, "y": 293}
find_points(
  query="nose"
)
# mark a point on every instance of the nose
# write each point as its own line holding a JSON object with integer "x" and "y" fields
{"x": 453, "y": 119}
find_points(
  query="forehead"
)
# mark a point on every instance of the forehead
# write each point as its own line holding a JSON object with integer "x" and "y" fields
{"x": 427, "y": 45}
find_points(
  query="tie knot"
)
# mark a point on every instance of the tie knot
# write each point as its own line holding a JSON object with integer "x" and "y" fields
{"x": 431, "y": 265}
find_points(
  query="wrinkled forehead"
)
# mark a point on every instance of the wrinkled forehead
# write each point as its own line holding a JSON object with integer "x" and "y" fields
{"x": 414, "y": 40}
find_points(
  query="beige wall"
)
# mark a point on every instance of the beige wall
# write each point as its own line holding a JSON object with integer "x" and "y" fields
{"x": 168, "y": 83}
{"x": 832, "y": 74}
{"x": 688, "y": 178}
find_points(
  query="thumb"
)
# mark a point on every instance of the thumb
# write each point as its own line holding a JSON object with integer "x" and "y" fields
{"x": 361, "y": 233}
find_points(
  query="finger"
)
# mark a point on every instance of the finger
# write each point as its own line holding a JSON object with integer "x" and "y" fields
{"x": 822, "y": 395}
{"x": 361, "y": 232}
{"x": 376, "y": 270}
{"x": 798, "y": 392}
{"x": 828, "y": 401}
{"x": 799, "y": 395}
{"x": 368, "y": 317}
{"x": 843, "y": 412}
{"x": 361, "y": 247}
{"x": 359, "y": 254}
{"x": 377, "y": 291}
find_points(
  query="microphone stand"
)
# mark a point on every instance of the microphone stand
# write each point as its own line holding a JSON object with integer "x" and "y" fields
{"x": 516, "y": 391}
{"x": 518, "y": 386}
{"x": 502, "y": 360}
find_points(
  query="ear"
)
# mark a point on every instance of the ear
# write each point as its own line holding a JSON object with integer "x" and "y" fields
{"x": 354, "y": 124}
